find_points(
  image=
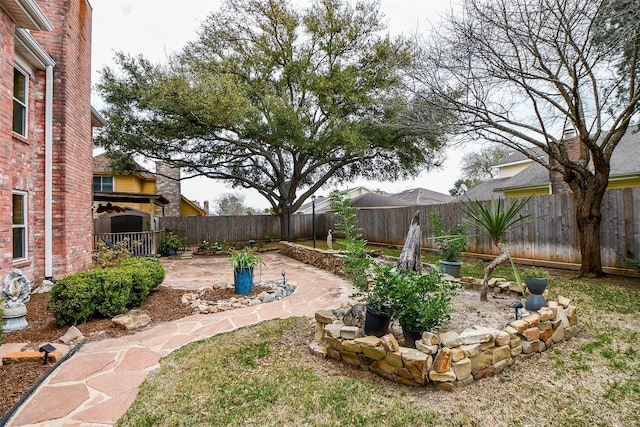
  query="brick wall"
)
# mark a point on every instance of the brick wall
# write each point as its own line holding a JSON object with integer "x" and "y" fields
{"x": 6, "y": 141}
{"x": 70, "y": 47}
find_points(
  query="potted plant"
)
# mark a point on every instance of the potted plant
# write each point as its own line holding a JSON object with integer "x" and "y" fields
{"x": 243, "y": 263}
{"x": 171, "y": 243}
{"x": 451, "y": 243}
{"x": 536, "y": 279}
{"x": 377, "y": 308}
{"x": 421, "y": 302}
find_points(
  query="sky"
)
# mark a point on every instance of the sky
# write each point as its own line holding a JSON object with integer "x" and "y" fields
{"x": 158, "y": 28}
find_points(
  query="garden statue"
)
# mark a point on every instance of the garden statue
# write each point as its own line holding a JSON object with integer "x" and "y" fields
{"x": 16, "y": 291}
{"x": 329, "y": 240}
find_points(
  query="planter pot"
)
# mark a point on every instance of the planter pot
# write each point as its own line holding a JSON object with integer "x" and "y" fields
{"x": 411, "y": 335}
{"x": 243, "y": 280}
{"x": 169, "y": 252}
{"x": 452, "y": 268}
{"x": 535, "y": 300}
{"x": 376, "y": 322}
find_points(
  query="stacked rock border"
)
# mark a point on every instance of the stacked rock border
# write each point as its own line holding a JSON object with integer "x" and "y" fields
{"x": 448, "y": 359}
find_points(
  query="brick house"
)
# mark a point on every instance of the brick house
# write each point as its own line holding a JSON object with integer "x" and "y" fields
{"x": 46, "y": 144}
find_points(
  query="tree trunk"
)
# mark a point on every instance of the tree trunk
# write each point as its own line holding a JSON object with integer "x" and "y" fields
{"x": 410, "y": 257}
{"x": 489, "y": 270}
{"x": 587, "y": 196}
{"x": 589, "y": 217}
{"x": 286, "y": 234}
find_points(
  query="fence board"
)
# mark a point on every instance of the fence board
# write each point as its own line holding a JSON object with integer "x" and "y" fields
{"x": 552, "y": 237}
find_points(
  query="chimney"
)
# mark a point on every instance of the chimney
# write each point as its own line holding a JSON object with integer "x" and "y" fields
{"x": 572, "y": 143}
{"x": 168, "y": 185}
{"x": 206, "y": 207}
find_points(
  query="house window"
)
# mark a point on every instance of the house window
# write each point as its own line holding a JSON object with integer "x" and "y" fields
{"x": 103, "y": 183}
{"x": 20, "y": 90}
{"x": 19, "y": 226}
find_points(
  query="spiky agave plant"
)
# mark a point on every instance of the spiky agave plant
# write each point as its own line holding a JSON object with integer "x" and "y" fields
{"x": 496, "y": 219}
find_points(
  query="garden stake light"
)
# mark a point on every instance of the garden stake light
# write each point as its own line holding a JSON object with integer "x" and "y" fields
{"x": 517, "y": 305}
{"x": 46, "y": 349}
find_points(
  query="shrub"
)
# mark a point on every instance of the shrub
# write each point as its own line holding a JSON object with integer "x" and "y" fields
{"x": 146, "y": 273}
{"x": 73, "y": 298}
{"x": 633, "y": 262}
{"x": 422, "y": 301}
{"x": 535, "y": 272}
{"x": 206, "y": 246}
{"x": 108, "y": 292}
{"x": 106, "y": 257}
{"x": 114, "y": 289}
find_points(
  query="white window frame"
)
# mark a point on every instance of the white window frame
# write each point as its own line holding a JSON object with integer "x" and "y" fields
{"x": 23, "y": 226}
{"x": 21, "y": 67}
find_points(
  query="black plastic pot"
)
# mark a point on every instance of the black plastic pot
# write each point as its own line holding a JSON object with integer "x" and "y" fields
{"x": 411, "y": 335}
{"x": 376, "y": 322}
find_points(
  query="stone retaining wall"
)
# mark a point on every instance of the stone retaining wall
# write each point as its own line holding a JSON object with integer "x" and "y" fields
{"x": 326, "y": 260}
{"x": 448, "y": 359}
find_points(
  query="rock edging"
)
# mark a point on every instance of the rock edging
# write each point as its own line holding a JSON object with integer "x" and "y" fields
{"x": 448, "y": 359}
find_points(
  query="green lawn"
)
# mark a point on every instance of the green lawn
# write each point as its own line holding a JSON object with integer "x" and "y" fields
{"x": 265, "y": 376}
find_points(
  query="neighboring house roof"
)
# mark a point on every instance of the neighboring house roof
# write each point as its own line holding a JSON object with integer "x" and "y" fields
{"x": 625, "y": 159}
{"x": 194, "y": 206}
{"x": 535, "y": 175}
{"x": 323, "y": 204}
{"x": 422, "y": 196}
{"x": 379, "y": 199}
{"x": 485, "y": 190}
{"x": 373, "y": 200}
{"x": 624, "y": 162}
{"x": 101, "y": 166}
{"x": 518, "y": 157}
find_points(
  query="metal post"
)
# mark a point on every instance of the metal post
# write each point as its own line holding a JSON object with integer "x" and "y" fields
{"x": 313, "y": 218}
{"x": 288, "y": 222}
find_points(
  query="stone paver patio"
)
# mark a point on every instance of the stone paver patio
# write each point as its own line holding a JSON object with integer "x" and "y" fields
{"x": 98, "y": 384}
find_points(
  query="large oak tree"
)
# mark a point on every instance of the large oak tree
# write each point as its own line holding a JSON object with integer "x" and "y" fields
{"x": 274, "y": 98}
{"x": 520, "y": 72}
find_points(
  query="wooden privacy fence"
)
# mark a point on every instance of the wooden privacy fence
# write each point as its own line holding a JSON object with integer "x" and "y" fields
{"x": 553, "y": 236}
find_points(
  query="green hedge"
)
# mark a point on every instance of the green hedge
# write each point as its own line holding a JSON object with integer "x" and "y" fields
{"x": 107, "y": 292}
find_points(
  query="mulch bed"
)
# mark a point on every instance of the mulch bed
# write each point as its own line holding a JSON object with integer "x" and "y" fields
{"x": 163, "y": 305}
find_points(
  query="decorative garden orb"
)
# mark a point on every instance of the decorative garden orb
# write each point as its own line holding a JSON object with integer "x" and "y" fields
{"x": 16, "y": 291}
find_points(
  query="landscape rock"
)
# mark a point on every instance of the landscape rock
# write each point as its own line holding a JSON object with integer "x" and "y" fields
{"x": 133, "y": 319}
{"x": 73, "y": 334}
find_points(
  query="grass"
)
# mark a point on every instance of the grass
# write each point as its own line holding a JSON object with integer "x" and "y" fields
{"x": 264, "y": 376}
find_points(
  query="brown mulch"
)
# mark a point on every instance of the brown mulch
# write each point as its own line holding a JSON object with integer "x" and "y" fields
{"x": 163, "y": 305}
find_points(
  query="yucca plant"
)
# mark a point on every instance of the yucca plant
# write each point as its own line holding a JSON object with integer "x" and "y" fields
{"x": 496, "y": 219}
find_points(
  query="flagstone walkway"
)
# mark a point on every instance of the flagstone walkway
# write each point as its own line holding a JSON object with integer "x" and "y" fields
{"x": 96, "y": 386}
